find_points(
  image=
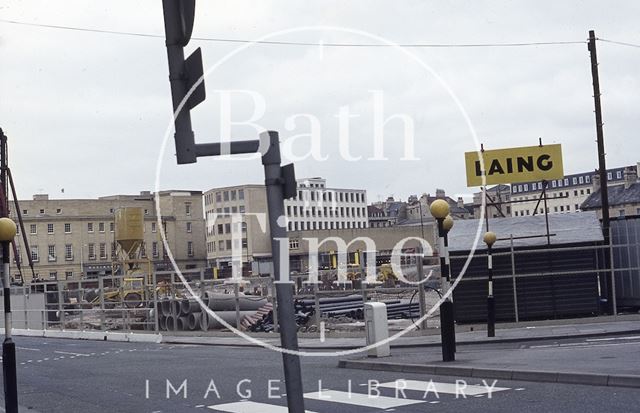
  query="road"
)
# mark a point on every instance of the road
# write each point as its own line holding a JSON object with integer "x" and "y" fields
{"x": 57, "y": 375}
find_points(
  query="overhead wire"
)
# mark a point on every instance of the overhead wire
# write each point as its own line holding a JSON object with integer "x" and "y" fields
{"x": 297, "y": 43}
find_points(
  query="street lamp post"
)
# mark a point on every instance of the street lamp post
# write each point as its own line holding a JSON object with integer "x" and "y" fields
{"x": 7, "y": 233}
{"x": 490, "y": 239}
{"x": 447, "y": 224}
{"x": 439, "y": 210}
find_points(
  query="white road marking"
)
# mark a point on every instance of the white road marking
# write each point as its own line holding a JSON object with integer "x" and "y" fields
{"x": 28, "y": 349}
{"x": 447, "y": 388}
{"x": 358, "y": 399}
{"x": 250, "y": 407}
{"x": 72, "y": 354}
{"x": 614, "y": 338}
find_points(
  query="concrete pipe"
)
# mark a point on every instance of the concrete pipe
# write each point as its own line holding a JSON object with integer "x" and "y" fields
{"x": 182, "y": 323}
{"x": 194, "y": 321}
{"x": 194, "y": 306}
{"x": 162, "y": 323}
{"x": 227, "y": 302}
{"x": 172, "y": 323}
{"x": 184, "y": 307}
{"x": 175, "y": 308}
{"x": 165, "y": 307}
{"x": 228, "y": 316}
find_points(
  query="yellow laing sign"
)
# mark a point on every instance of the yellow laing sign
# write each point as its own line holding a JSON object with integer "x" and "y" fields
{"x": 524, "y": 164}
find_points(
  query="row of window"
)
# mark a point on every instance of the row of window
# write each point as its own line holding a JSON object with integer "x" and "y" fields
{"x": 306, "y": 226}
{"x": 560, "y": 208}
{"x": 576, "y": 192}
{"x": 43, "y": 211}
{"x": 220, "y": 196}
{"x": 556, "y": 183}
{"x": 226, "y": 245}
{"x": 329, "y": 195}
{"x": 305, "y": 211}
{"x": 95, "y": 253}
{"x": 33, "y": 228}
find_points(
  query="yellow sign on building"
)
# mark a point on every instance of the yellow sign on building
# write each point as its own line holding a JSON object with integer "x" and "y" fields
{"x": 524, "y": 164}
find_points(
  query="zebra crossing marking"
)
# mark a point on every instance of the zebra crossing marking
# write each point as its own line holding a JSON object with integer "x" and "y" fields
{"x": 247, "y": 406}
{"x": 446, "y": 388}
{"x": 359, "y": 399}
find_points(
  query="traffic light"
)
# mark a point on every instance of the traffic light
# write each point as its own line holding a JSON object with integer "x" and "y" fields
{"x": 183, "y": 74}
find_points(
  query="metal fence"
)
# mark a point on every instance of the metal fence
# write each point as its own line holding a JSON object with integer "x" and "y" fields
{"x": 162, "y": 302}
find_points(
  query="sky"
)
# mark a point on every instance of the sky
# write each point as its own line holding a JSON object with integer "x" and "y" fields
{"x": 86, "y": 113}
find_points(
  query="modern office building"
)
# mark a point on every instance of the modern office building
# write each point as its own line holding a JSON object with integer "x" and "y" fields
{"x": 316, "y": 207}
{"x": 75, "y": 238}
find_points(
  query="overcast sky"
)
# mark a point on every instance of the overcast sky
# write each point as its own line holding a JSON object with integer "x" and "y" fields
{"x": 87, "y": 112}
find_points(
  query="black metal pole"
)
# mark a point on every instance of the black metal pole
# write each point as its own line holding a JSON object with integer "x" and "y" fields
{"x": 447, "y": 328}
{"x": 284, "y": 287}
{"x": 453, "y": 309}
{"x": 9, "y": 369}
{"x": 602, "y": 164}
{"x": 491, "y": 305}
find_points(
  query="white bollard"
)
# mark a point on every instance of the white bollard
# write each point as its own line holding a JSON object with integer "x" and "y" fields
{"x": 377, "y": 328}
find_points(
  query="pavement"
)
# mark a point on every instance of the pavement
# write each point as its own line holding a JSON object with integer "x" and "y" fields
{"x": 508, "y": 332}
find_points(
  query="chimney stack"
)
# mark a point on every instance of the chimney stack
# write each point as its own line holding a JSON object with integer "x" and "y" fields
{"x": 630, "y": 177}
{"x": 460, "y": 202}
{"x": 595, "y": 179}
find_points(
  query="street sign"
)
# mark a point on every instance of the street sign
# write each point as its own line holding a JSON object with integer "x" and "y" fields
{"x": 511, "y": 165}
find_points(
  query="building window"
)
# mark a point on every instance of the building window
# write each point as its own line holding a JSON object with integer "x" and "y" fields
{"x": 241, "y": 209}
{"x": 188, "y": 226}
{"x": 220, "y": 245}
{"x": 42, "y": 211}
{"x": 581, "y": 179}
{"x": 575, "y": 192}
{"x": 588, "y": 190}
{"x": 225, "y": 196}
{"x": 153, "y": 227}
{"x": 294, "y": 243}
{"x": 619, "y": 174}
{"x": 143, "y": 250}
{"x": 218, "y": 197}
{"x": 609, "y": 176}
{"x": 241, "y": 194}
{"x": 233, "y": 195}
{"x": 53, "y": 275}
{"x": 582, "y": 192}
{"x": 89, "y": 226}
{"x": 101, "y": 227}
{"x": 33, "y": 229}
{"x": 68, "y": 252}
{"x": 49, "y": 228}
{"x": 190, "y": 248}
{"x": 92, "y": 251}
{"x": 621, "y": 213}
{"x": 52, "y": 253}
{"x": 67, "y": 228}
{"x": 554, "y": 183}
{"x": 25, "y": 212}
{"x": 34, "y": 253}
{"x": 112, "y": 226}
{"x": 187, "y": 208}
{"x": 146, "y": 212}
{"x": 566, "y": 181}
{"x": 103, "y": 251}
{"x": 154, "y": 249}
{"x": 59, "y": 211}
{"x": 574, "y": 180}
{"x": 68, "y": 275}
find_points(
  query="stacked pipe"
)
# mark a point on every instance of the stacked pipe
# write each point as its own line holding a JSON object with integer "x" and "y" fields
{"x": 182, "y": 314}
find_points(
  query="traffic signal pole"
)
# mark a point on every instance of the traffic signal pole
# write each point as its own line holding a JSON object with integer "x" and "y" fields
{"x": 187, "y": 85}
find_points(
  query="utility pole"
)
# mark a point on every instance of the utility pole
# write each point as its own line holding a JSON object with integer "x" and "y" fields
{"x": 602, "y": 165}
